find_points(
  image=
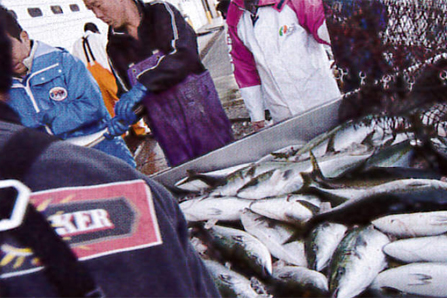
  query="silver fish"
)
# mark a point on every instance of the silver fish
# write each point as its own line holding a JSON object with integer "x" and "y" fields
{"x": 193, "y": 185}
{"x": 413, "y": 224}
{"x": 381, "y": 198}
{"x": 351, "y": 195}
{"x": 344, "y": 135}
{"x": 397, "y": 155}
{"x": 239, "y": 178}
{"x": 229, "y": 282}
{"x": 419, "y": 249}
{"x": 206, "y": 208}
{"x": 322, "y": 243}
{"x": 273, "y": 234}
{"x": 336, "y": 164}
{"x": 287, "y": 153}
{"x": 245, "y": 246}
{"x": 289, "y": 179}
{"x": 277, "y": 182}
{"x": 425, "y": 279}
{"x": 301, "y": 277}
{"x": 289, "y": 208}
{"x": 357, "y": 261}
{"x": 199, "y": 182}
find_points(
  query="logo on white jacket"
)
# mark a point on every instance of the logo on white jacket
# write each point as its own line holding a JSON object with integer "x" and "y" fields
{"x": 286, "y": 30}
{"x": 58, "y": 93}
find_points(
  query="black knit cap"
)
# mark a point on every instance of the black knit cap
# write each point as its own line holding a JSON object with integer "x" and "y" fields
{"x": 5, "y": 59}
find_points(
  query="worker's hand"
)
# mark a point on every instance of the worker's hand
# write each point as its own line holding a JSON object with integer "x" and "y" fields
{"x": 258, "y": 125}
{"x": 124, "y": 108}
{"x": 116, "y": 127}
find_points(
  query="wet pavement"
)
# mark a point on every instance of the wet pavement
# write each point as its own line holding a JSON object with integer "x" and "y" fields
{"x": 213, "y": 51}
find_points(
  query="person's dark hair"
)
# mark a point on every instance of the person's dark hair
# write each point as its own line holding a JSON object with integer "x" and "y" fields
{"x": 91, "y": 27}
{"x": 11, "y": 24}
{"x": 222, "y": 6}
{"x": 5, "y": 58}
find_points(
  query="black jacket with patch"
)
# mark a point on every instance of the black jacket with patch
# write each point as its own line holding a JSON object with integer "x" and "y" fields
{"x": 171, "y": 268}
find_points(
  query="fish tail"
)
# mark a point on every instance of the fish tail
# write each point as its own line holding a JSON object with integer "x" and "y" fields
{"x": 302, "y": 231}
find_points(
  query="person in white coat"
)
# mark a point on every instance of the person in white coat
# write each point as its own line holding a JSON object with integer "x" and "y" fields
{"x": 97, "y": 44}
{"x": 279, "y": 56}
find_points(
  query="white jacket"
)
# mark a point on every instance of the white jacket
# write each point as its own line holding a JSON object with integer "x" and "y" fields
{"x": 98, "y": 47}
{"x": 289, "y": 66}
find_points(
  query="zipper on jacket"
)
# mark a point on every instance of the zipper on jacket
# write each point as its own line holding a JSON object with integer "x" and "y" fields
{"x": 31, "y": 95}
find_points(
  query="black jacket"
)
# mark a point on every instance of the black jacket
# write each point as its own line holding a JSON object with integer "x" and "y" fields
{"x": 121, "y": 262}
{"x": 5, "y": 60}
{"x": 164, "y": 29}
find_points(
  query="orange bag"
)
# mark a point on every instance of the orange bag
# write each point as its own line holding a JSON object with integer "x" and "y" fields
{"x": 107, "y": 84}
{"x": 104, "y": 78}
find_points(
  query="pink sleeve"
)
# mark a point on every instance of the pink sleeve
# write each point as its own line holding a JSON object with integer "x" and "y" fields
{"x": 310, "y": 15}
{"x": 245, "y": 71}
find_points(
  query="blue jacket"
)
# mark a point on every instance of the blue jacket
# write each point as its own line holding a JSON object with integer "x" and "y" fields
{"x": 59, "y": 81}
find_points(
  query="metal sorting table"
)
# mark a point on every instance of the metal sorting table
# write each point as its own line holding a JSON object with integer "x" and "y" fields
{"x": 302, "y": 127}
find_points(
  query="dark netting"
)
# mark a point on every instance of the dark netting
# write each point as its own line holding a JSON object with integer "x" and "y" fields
{"x": 391, "y": 61}
{"x": 391, "y": 55}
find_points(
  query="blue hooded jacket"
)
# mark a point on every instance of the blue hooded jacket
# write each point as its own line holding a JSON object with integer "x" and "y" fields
{"x": 59, "y": 81}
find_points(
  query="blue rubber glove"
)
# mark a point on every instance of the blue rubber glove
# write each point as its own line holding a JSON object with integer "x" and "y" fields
{"x": 116, "y": 127}
{"x": 124, "y": 108}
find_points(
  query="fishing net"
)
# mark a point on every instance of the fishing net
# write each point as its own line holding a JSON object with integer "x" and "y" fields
{"x": 390, "y": 55}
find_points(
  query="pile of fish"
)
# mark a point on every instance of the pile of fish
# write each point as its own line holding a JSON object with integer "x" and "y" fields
{"x": 343, "y": 215}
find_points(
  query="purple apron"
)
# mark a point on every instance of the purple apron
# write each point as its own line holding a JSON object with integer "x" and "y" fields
{"x": 187, "y": 120}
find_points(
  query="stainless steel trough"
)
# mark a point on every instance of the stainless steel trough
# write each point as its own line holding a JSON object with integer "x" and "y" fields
{"x": 300, "y": 128}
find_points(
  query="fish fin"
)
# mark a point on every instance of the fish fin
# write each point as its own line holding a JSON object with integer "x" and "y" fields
{"x": 368, "y": 140}
{"x": 213, "y": 182}
{"x": 288, "y": 174}
{"x": 190, "y": 172}
{"x": 251, "y": 169}
{"x": 421, "y": 279}
{"x": 210, "y": 223}
{"x": 216, "y": 211}
{"x": 314, "y": 209}
{"x": 330, "y": 145}
{"x": 439, "y": 220}
{"x": 316, "y": 170}
{"x": 315, "y": 176}
{"x": 299, "y": 234}
{"x": 307, "y": 182}
{"x": 334, "y": 200}
{"x": 192, "y": 175}
{"x": 295, "y": 237}
{"x": 390, "y": 141}
{"x": 280, "y": 155}
{"x": 178, "y": 192}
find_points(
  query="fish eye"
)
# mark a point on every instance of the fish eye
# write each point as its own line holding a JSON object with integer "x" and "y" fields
{"x": 225, "y": 278}
{"x": 238, "y": 238}
{"x": 341, "y": 271}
